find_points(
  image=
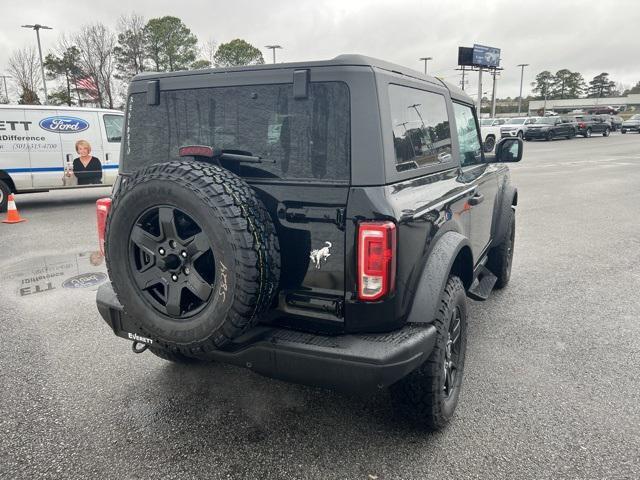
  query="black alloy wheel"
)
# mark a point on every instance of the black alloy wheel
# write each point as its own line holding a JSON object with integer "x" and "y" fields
{"x": 549, "y": 135}
{"x": 452, "y": 352}
{"x": 171, "y": 262}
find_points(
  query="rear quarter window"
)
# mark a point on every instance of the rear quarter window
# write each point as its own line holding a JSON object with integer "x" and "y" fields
{"x": 299, "y": 139}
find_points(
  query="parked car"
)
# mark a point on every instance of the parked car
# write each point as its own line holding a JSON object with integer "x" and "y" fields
{"x": 590, "y": 124}
{"x": 615, "y": 121}
{"x": 632, "y": 124}
{"x": 516, "y": 127}
{"x": 548, "y": 128}
{"x": 490, "y": 131}
{"x": 382, "y": 238}
{"x": 39, "y": 148}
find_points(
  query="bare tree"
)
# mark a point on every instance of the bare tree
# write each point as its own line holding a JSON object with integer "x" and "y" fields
{"x": 96, "y": 45}
{"x": 24, "y": 67}
{"x": 209, "y": 49}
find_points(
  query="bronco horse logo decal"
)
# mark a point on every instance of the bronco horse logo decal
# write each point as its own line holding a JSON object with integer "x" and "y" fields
{"x": 318, "y": 257}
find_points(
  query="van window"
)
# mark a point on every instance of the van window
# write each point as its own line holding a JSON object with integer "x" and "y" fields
{"x": 305, "y": 138}
{"x": 421, "y": 134}
{"x": 113, "y": 127}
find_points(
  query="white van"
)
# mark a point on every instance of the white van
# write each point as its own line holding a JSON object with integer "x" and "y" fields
{"x": 38, "y": 147}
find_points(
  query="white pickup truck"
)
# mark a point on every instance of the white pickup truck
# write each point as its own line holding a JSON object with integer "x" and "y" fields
{"x": 490, "y": 130}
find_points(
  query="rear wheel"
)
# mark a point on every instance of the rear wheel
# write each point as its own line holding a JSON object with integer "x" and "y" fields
{"x": 501, "y": 256}
{"x": 606, "y": 132}
{"x": 428, "y": 396}
{"x": 5, "y": 191}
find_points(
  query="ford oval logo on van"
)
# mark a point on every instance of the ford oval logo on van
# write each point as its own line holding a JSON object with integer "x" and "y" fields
{"x": 64, "y": 124}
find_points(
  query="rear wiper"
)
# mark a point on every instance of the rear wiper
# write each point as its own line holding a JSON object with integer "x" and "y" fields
{"x": 220, "y": 154}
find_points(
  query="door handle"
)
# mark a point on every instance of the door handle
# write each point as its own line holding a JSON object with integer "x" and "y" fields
{"x": 68, "y": 157}
{"x": 476, "y": 199}
{"x": 106, "y": 157}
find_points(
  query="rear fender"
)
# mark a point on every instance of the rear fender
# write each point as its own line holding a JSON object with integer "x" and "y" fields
{"x": 452, "y": 253}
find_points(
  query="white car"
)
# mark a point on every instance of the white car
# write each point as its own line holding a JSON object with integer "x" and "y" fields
{"x": 40, "y": 145}
{"x": 490, "y": 131}
{"x": 516, "y": 127}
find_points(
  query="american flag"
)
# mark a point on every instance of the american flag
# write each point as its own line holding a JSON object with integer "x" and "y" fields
{"x": 89, "y": 85}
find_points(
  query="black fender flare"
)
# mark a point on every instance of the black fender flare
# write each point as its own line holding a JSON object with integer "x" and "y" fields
{"x": 452, "y": 252}
{"x": 508, "y": 201}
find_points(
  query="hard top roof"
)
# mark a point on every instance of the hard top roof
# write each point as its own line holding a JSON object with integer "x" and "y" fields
{"x": 340, "y": 60}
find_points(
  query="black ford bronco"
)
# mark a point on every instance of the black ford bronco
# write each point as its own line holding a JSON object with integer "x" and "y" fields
{"x": 321, "y": 223}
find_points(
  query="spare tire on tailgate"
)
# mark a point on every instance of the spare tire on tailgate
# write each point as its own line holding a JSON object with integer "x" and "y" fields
{"x": 192, "y": 254}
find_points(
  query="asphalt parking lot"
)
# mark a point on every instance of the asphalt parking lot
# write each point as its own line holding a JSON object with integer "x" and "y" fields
{"x": 552, "y": 381}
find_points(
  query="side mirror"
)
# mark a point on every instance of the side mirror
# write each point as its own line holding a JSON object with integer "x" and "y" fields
{"x": 508, "y": 150}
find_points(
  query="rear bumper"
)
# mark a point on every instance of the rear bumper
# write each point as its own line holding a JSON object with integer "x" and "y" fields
{"x": 353, "y": 362}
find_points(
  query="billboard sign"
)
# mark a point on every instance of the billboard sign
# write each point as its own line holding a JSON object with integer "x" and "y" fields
{"x": 484, "y": 56}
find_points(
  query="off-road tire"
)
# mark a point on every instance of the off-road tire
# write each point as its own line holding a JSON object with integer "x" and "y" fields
{"x": 241, "y": 234}
{"x": 174, "y": 357}
{"x": 501, "y": 256}
{"x": 420, "y": 396}
{"x": 5, "y": 191}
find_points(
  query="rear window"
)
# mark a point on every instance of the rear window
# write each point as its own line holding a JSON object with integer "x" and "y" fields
{"x": 298, "y": 139}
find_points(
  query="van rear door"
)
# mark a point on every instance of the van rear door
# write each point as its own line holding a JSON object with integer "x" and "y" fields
{"x": 111, "y": 131}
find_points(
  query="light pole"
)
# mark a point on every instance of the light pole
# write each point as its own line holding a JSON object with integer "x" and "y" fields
{"x": 522, "y": 65}
{"x": 6, "y": 92}
{"x": 273, "y": 49}
{"x": 37, "y": 28}
{"x": 425, "y": 60}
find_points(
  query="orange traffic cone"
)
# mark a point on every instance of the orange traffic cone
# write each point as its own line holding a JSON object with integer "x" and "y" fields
{"x": 12, "y": 212}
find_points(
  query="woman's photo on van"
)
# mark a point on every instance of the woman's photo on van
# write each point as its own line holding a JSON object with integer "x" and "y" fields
{"x": 86, "y": 168}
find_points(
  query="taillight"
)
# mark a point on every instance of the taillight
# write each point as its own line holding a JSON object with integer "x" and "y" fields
{"x": 581, "y": 125}
{"x": 376, "y": 259}
{"x": 103, "y": 205}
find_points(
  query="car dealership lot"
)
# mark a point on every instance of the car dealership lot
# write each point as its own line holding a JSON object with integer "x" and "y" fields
{"x": 551, "y": 389}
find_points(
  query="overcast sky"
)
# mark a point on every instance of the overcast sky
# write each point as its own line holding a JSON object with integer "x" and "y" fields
{"x": 585, "y": 36}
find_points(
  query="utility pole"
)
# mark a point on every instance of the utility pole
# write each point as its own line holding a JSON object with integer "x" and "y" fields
{"x": 479, "y": 91}
{"x": 6, "y": 92}
{"x": 522, "y": 65}
{"x": 493, "y": 95}
{"x": 37, "y": 28}
{"x": 273, "y": 49}
{"x": 425, "y": 60}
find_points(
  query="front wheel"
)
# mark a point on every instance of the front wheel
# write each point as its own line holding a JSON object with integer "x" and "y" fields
{"x": 624, "y": 130}
{"x": 520, "y": 135}
{"x": 587, "y": 134}
{"x": 606, "y": 132}
{"x": 428, "y": 396}
{"x": 549, "y": 136}
{"x": 4, "y": 196}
